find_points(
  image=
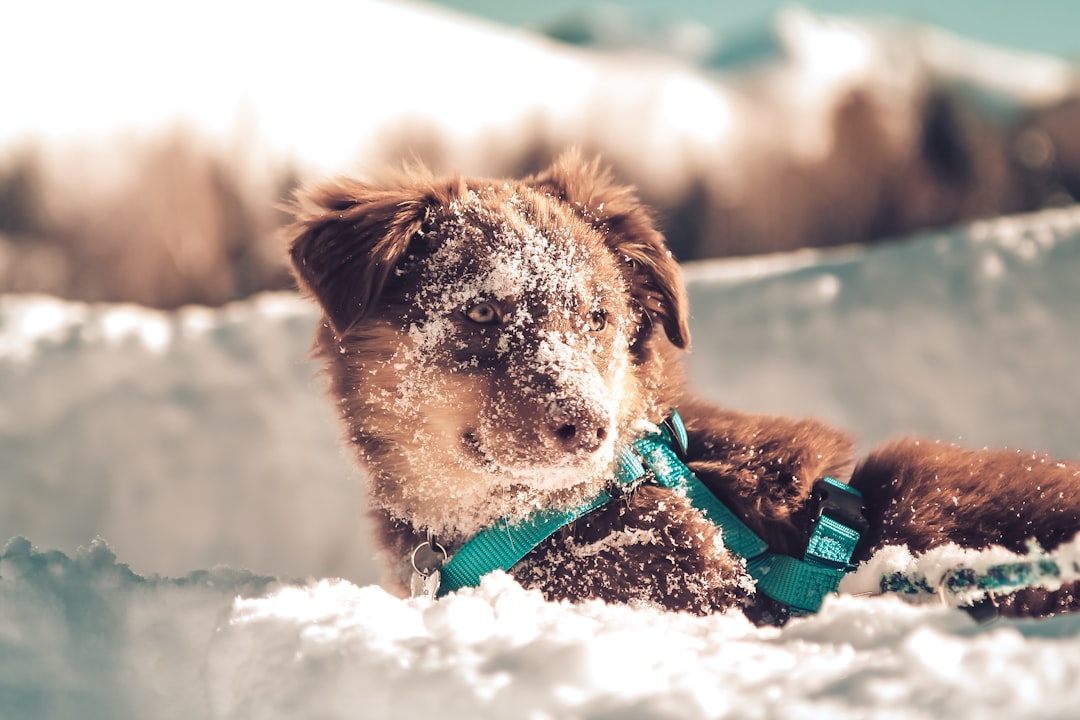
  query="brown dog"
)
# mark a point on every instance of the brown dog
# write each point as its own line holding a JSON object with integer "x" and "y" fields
{"x": 492, "y": 344}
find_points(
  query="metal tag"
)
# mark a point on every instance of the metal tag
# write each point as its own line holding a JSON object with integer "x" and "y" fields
{"x": 425, "y": 586}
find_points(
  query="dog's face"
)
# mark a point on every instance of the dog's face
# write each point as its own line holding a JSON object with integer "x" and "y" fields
{"x": 489, "y": 342}
{"x": 519, "y": 321}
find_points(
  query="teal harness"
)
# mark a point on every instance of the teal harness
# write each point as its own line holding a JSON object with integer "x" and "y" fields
{"x": 799, "y": 585}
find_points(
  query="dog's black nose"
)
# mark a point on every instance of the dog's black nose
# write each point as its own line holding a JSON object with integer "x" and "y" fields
{"x": 576, "y": 427}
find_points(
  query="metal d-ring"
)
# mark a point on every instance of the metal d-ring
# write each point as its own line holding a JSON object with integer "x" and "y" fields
{"x": 428, "y": 567}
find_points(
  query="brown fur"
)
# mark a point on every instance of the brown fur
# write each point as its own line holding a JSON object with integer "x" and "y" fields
{"x": 490, "y": 342}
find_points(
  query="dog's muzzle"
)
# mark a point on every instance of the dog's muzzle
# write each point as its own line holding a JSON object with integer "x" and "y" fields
{"x": 576, "y": 426}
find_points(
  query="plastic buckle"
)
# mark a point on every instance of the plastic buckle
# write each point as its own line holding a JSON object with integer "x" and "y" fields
{"x": 842, "y": 503}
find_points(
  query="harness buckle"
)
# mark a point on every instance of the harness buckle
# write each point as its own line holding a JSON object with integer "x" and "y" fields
{"x": 841, "y": 503}
{"x": 838, "y": 526}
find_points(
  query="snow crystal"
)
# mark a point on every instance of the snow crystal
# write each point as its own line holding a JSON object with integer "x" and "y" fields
{"x": 623, "y": 538}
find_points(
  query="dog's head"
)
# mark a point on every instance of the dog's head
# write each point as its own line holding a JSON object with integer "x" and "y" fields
{"x": 489, "y": 341}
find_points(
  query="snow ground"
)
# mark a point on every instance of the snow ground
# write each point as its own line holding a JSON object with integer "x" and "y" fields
{"x": 199, "y": 439}
{"x": 92, "y": 640}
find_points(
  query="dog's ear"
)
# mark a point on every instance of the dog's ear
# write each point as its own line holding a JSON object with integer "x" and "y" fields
{"x": 652, "y": 272}
{"x": 346, "y": 239}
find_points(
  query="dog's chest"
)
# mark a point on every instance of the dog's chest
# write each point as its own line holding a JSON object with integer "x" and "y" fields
{"x": 650, "y": 547}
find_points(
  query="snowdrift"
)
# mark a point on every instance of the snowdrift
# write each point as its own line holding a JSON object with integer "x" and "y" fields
{"x": 199, "y": 439}
{"x": 84, "y": 637}
{"x": 968, "y": 336}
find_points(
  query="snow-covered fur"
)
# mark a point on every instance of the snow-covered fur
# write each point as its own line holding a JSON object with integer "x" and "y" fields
{"x": 491, "y": 343}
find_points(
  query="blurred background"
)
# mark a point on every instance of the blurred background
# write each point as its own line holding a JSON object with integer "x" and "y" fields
{"x": 146, "y": 149}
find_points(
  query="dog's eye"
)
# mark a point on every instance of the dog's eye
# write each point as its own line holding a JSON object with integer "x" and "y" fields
{"x": 484, "y": 313}
{"x": 598, "y": 321}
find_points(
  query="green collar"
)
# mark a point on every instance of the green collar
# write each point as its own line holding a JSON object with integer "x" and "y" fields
{"x": 799, "y": 585}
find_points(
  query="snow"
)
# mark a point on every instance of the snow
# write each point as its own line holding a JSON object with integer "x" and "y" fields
{"x": 236, "y": 576}
{"x": 187, "y": 439}
{"x": 962, "y": 336}
{"x": 248, "y": 77}
{"x": 198, "y": 443}
{"x": 84, "y": 637}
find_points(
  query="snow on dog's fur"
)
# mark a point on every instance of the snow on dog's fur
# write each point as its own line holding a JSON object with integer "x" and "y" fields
{"x": 491, "y": 344}
{"x": 491, "y": 361}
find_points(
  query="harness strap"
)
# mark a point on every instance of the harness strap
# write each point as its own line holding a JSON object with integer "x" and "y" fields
{"x": 961, "y": 583}
{"x": 502, "y": 545}
{"x": 800, "y": 585}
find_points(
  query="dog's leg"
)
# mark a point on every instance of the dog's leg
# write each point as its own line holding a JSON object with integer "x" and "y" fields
{"x": 925, "y": 494}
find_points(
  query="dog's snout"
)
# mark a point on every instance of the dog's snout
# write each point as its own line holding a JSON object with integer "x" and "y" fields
{"x": 575, "y": 427}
